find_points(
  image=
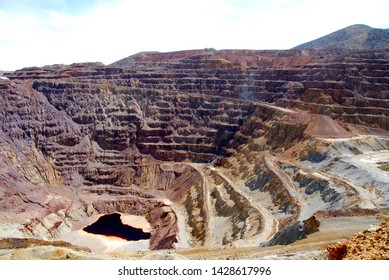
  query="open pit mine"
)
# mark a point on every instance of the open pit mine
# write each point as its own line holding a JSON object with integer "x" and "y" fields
{"x": 194, "y": 154}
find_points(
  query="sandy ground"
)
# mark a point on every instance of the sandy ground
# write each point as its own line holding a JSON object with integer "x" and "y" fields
{"x": 103, "y": 244}
{"x": 332, "y": 230}
{"x": 136, "y": 222}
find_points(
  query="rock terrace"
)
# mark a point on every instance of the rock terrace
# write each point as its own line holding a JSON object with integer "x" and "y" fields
{"x": 214, "y": 148}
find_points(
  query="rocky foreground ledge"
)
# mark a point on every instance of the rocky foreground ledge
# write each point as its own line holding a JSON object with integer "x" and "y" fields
{"x": 215, "y": 149}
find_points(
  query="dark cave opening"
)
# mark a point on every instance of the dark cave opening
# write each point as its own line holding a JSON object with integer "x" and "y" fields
{"x": 111, "y": 225}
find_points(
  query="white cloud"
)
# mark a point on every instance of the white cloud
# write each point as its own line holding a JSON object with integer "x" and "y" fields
{"x": 112, "y": 30}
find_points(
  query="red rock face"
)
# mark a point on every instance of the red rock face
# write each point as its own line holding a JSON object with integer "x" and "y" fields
{"x": 88, "y": 135}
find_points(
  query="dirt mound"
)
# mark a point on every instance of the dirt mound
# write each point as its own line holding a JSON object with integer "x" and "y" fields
{"x": 325, "y": 126}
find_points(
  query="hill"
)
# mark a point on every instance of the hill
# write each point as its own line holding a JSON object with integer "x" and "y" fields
{"x": 354, "y": 37}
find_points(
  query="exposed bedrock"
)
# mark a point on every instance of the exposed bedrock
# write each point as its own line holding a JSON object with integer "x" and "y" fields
{"x": 146, "y": 191}
{"x": 60, "y": 223}
{"x": 296, "y": 231}
{"x": 212, "y": 148}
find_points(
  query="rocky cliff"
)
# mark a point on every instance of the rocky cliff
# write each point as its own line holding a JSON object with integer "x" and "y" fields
{"x": 213, "y": 148}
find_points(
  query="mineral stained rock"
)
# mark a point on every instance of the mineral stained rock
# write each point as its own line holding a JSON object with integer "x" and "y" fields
{"x": 372, "y": 244}
{"x": 214, "y": 149}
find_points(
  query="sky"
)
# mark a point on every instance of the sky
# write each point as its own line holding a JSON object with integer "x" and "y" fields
{"x": 45, "y": 32}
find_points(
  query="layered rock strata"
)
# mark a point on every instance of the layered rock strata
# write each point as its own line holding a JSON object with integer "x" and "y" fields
{"x": 213, "y": 148}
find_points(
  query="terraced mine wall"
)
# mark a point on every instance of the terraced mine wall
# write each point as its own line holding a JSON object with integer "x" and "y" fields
{"x": 126, "y": 138}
